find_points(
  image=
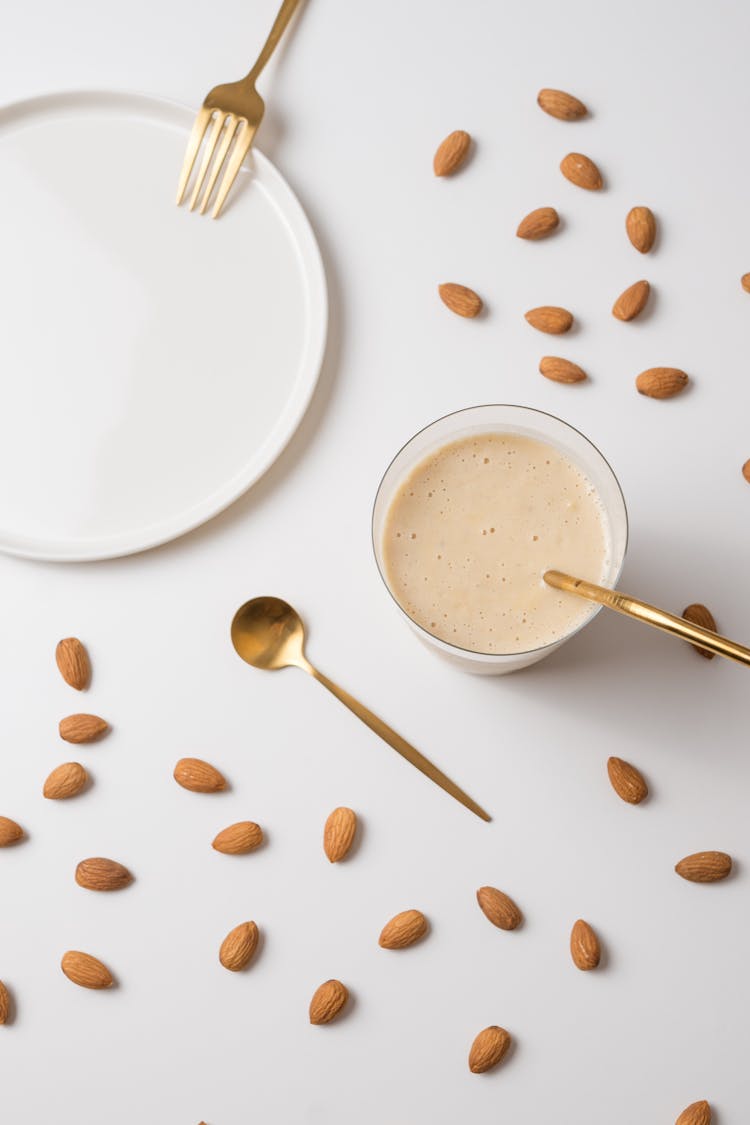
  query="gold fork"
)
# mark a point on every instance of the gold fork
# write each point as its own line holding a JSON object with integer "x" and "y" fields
{"x": 234, "y": 112}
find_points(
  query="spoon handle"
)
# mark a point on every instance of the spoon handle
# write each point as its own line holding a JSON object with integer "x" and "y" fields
{"x": 642, "y": 611}
{"x": 399, "y": 744}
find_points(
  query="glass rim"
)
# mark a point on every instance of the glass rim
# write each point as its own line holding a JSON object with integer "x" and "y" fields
{"x": 466, "y": 410}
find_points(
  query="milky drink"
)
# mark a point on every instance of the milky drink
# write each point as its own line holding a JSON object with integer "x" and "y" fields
{"x": 471, "y": 530}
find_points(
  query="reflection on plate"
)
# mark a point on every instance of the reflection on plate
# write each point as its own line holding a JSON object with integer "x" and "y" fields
{"x": 153, "y": 363}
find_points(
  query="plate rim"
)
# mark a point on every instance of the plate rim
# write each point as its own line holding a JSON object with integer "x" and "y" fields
{"x": 122, "y": 544}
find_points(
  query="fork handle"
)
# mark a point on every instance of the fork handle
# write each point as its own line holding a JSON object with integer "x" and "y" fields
{"x": 286, "y": 11}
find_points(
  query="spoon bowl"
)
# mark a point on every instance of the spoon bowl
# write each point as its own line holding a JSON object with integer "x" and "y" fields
{"x": 268, "y": 633}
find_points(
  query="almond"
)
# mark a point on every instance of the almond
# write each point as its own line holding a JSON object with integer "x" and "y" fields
{"x": 561, "y": 370}
{"x": 328, "y": 1001}
{"x": 238, "y": 946}
{"x": 237, "y": 839}
{"x": 198, "y": 776}
{"x": 705, "y": 867}
{"x": 627, "y": 781}
{"x": 488, "y": 1049}
{"x": 538, "y": 224}
{"x": 699, "y": 1113}
{"x": 82, "y": 728}
{"x": 746, "y": 471}
{"x": 561, "y": 105}
{"x": 632, "y": 301}
{"x": 85, "y": 970}
{"x": 499, "y": 908}
{"x": 338, "y": 834}
{"x": 641, "y": 227}
{"x": 73, "y": 662}
{"x": 460, "y": 300}
{"x": 65, "y": 781}
{"x": 661, "y": 382}
{"x": 581, "y": 171}
{"x": 451, "y": 153}
{"x": 99, "y": 874}
{"x": 745, "y": 282}
{"x": 4, "y": 1004}
{"x": 550, "y": 318}
{"x": 402, "y": 930}
{"x": 584, "y": 946}
{"x": 699, "y": 615}
{"x": 10, "y": 832}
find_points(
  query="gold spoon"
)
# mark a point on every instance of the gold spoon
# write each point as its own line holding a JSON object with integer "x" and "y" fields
{"x": 268, "y": 633}
{"x": 642, "y": 611}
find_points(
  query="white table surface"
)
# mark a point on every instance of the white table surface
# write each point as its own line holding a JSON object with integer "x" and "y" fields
{"x": 358, "y": 100}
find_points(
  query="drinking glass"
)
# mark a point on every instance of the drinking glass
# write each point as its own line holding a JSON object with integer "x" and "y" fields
{"x": 525, "y": 422}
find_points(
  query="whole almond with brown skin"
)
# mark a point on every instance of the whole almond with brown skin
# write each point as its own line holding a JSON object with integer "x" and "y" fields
{"x": 550, "y": 318}
{"x": 85, "y": 970}
{"x": 627, "y": 781}
{"x": 198, "y": 776}
{"x": 73, "y": 662}
{"x": 561, "y": 105}
{"x": 4, "y": 1004}
{"x": 584, "y": 946}
{"x": 661, "y": 382}
{"x": 746, "y": 471}
{"x": 338, "y": 834}
{"x": 240, "y": 838}
{"x": 699, "y": 1113}
{"x": 700, "y": 615}
{"x": 10, "y": 832}
{"x": 460, "y": 299}
{"x": 328, "y": 1001}
{"x": 538, "y": 224}
{"x": 499, "y": 908}
{"x": 581, "y": 171}
{"x": 632, "y": 301}
{"x": 403, "y": 929}
{"x": 745, "y": 282}
{"x": 488, "y": 1049}
{"x": 65, "y": 781}
{"x": 239, "y": 946}
{"x": 641, "y": 227}
{"x": 561, "y": 370}
{"x": 97, "y": 874}
{"x": 451, "y": 153}
{"x": 705, "y": 867}
{"x": 82, "y": 728}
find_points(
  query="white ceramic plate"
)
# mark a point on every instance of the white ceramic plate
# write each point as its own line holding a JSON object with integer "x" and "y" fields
{"x": 153, "y": 363}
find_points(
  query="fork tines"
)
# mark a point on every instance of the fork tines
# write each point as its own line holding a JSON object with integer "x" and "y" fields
{"x": 227, "y": 132}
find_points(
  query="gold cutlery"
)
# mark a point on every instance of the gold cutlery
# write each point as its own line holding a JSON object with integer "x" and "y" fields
{"x": 650, "y": 615}
{"x": 234, "y": 111}
{"x": 268, "y": 633}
